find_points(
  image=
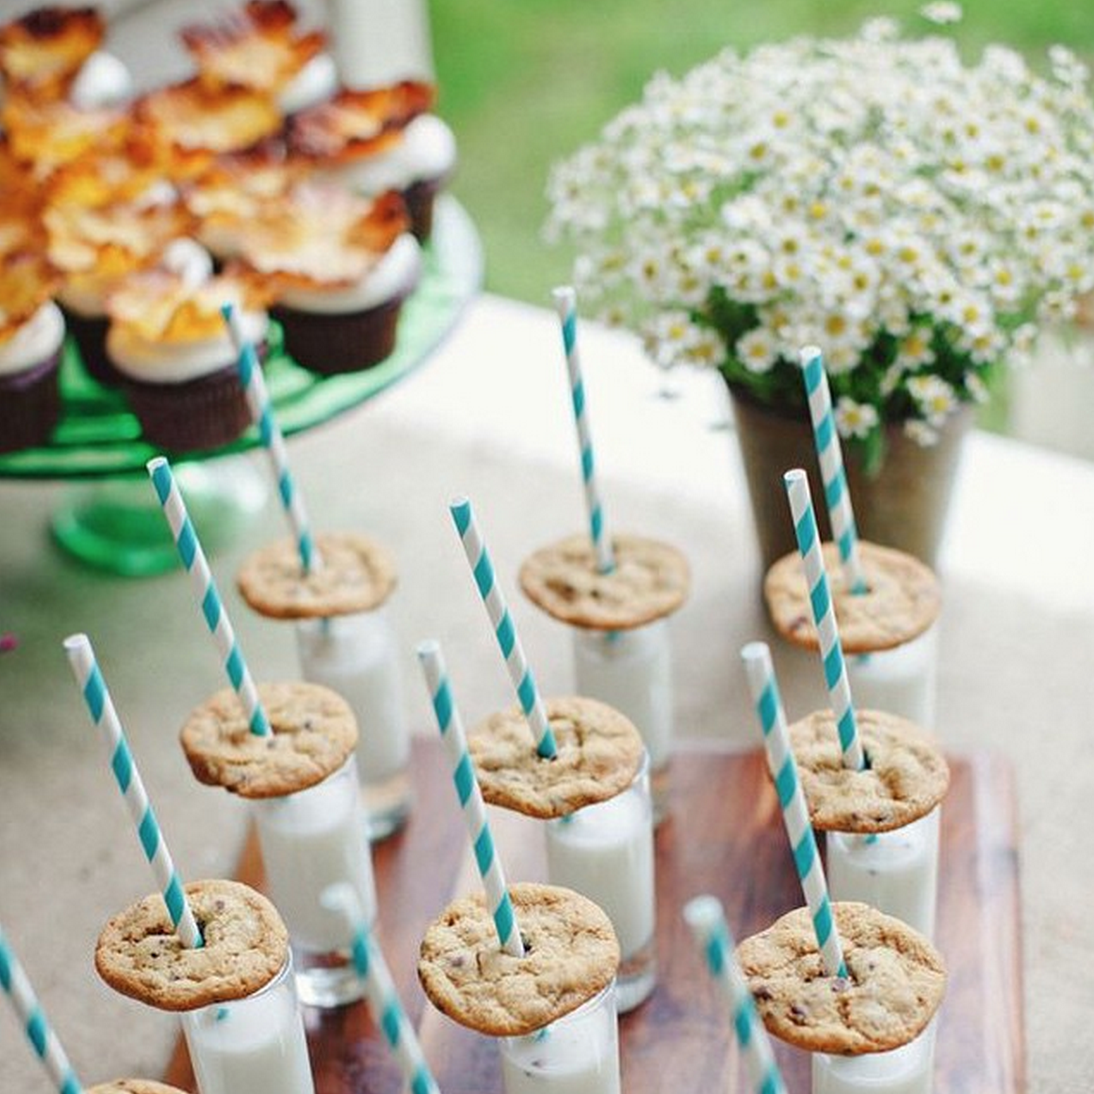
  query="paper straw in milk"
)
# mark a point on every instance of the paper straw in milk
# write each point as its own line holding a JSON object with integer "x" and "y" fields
{"x": 707, "y": 921}
{"x": 566, "y": 306}
{"x": 201, "y": 577}
{"x": 383, "y": 1001}
{"x": 37, "y": 1028}
{"x": 470, "y": 796}
{"x": 511, "y": 650}
{"x": 101, "y": 708}
{"x": 824, "y": 616}
{"x": 258, "y": 399}
{"x": 837, "y": 496}
{"x": 799, "y": 830}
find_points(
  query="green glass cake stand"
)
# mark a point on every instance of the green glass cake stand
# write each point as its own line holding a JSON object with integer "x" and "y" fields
{"x": 111, "y": 518}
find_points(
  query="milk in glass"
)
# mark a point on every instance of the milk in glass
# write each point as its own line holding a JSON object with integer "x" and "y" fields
{"x": 905, "y": 1070}
{"x": 311, "y": 840}
{"x": 605, "y": 852}
{"x": 896, "y": 872}
{"x": 631, "y": 670}
{"x": 901, "y": 680}
{"x": 253, "y": 1045}
{"x": 578, "y": 1054}
{"x": 356, "y": 656}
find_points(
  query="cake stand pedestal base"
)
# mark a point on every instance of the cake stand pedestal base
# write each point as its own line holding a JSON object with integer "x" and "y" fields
{"x": 118, "y": 525}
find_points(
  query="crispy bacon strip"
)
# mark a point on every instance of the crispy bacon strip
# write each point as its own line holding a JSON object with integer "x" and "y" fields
{"x": 257, "y": 48}
{"x": 41, "y": 52}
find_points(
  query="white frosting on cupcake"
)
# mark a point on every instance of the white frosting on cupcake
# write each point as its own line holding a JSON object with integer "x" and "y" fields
{"x": 38, "y": 338}
{"x": 87, "y": 296}
{"x": 395, "y": 275}
{"x": 103, "y": 80}
{"x": 177, "y": 362}
{"x": 313, "y": 84}
{"x": 427, "y": 151}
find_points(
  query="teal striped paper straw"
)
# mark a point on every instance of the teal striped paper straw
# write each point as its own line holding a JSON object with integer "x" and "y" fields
{"x": 780, "y": 762}
{"x": 837, "y": 496}
{"x": 383, "y": 1001}
{"x": 258, "y": 399}
{"x": 511, "y": 650}
{"x": 201, "y": 577}
{"x": 566, "y": 305}
{"x": 824, "y": 616}
{"x": 705, "y": 917}
{"x": 101, "y": 707}
{"x": 470, "y": 796}
{"x": 38, "y": 1030}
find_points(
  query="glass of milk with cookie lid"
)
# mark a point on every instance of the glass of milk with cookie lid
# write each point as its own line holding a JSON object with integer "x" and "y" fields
{"x": 594, "y": 799}
{"x": 302, "y": 781}
{"x": 871, "y": 1032}
{"x": 889, "y": 631}
{"x": 235, "y": 994}
{"x": 882, "y": 822}
{"x": 620, "y": 629}
{"x": 345, "y": 641}
{"x": 553, "y": 1009}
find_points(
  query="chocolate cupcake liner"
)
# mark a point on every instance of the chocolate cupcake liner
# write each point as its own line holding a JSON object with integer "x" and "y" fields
{"x": 30, "y": 404}
{"x": 333, "y": 344}
{"x": 420, "y": 198}
{"x": 204, "y": 413}
{"x": 89, "y": 334}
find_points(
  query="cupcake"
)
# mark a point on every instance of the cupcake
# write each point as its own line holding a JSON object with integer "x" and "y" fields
{"x": 380, "y": 140}
{"x": 341, "y": 267}
{"x": 168, "y": 341}
{"x": 32, "y": 332}
{"x": 96, "y": 248}
{"x": 42, "y": 52}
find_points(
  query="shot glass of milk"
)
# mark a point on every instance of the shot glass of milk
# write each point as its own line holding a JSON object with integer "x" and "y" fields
{"x": 889, "y": 631}
{"x": 357, "y": 656}
{"x": 632, "y": 671}
{"x": 605, "y": 852}
{"x": 619, "y": 622}
{"x": 379, "y": 42}
{"x": 902, "y": 679}
{"x": 905, "y": 1070}
{"x": 310, "y": 840}
{"x": 578, "y": 1054}
{"x": 896, "y": 872}
{"x": 346, "y": 642}
{"x": 253, "y": 1045}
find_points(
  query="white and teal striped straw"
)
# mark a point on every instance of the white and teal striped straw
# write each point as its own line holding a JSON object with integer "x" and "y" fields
{"x": 803, "y": 843}
{"x": 705, "y": 917}
{"x": 101, "y": 708}
{"x": 566, "y": 304}
{"x": 824, "y": 616}
{"x": 383, "y": 1000}
{"x": 258, "y": 399}
{"x": 837, "y": 496}
{"x": 511, "y": 650}
{"x": 37, "y": 1028}
{"x": 470, "y": 796}
{"x": 201, "y": 577}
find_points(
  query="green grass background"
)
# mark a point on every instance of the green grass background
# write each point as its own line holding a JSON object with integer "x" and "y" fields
{"x": 525, "y": 82}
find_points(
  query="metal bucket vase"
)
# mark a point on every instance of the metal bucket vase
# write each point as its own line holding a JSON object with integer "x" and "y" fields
{"x": 903, "y": 505}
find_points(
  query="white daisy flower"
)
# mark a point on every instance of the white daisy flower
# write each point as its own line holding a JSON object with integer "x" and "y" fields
{"x": 756, "y": 350}
{"x": 854, "y": 419}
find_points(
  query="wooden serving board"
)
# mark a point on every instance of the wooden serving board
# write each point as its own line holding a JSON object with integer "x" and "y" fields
{"x": 724, "y": 836}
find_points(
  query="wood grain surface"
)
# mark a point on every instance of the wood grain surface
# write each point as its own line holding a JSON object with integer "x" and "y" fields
{"x": 723, "y": 836}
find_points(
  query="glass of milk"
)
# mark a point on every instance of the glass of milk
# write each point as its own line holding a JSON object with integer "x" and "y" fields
{"x": 605, "y": 852}
{"x": 379, "y": 42}
{"x": 253, "y": 1045}
{"x": 905, "y": 1070}
{"x": 356, "y": 655}
{"x": 896, "y": 872}
{"x": 578, "y": 1054}
{"x": 311, "y": 840}
{"x": 631, "y": 670}
{"x": 901, "y": 680}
